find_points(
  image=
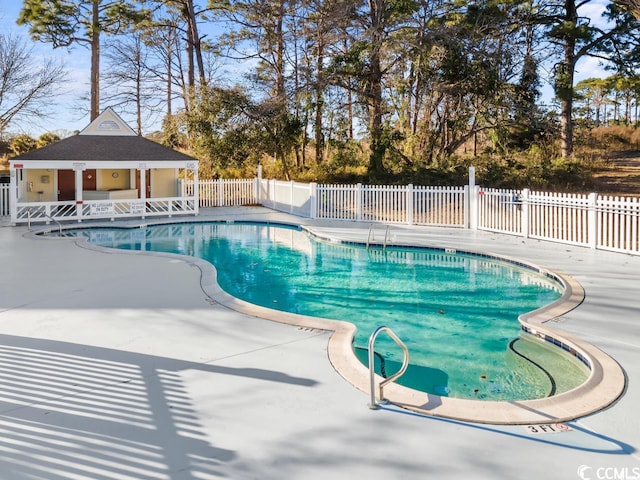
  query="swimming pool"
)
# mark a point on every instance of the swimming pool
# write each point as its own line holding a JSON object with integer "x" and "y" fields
{"x": 457, "y": 313}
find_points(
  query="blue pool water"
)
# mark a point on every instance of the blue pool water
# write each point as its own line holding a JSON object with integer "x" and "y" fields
{"x": 456, "y": 313}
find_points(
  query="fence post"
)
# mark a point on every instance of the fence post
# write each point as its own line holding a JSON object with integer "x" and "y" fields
{"x": 257, "y": 189}
{"x": 409, "y": 194}
{"x": 525, "y": 208}
{"x": 291, "y": 196}
{"x": 471, "y": 201}
{"x": 313, "y": 200}
{"x": 592, "y": 220}
{"x": 359, "y": 202}
{"x": 195, "y": 193}
{"x": 272, "y": 192}
{"x": 219, "y": 192}
{"x": 12, "y": 198}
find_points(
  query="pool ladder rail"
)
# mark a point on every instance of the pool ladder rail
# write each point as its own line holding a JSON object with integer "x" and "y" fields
{"x": 46, "y": 216}
{"x": 371, "y": 236}
{"x": 374, "y": 404}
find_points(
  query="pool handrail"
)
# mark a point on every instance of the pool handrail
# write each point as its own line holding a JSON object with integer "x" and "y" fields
{"x": 373, "y": 404}
{"x": 52, "y": 219}
{"x": 371, "y": 236}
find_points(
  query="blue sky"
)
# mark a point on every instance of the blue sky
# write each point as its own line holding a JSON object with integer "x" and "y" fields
{"x": 64, "y": 113}
{"x": 67, "y": 116}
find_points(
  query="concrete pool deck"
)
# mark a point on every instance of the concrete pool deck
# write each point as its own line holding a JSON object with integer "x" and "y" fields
{"x": 119, "y": 366}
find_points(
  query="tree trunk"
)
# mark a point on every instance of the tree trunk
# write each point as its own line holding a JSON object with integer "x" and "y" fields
{"x": 171, "y": 34}
{"x": 281, "y": 93}
{"x": 190, "y": 47}
{"x": 374, "y": 91}
{"x": 564, "y": 82}
{"x": 377, "y": 148}
{"x": 566, "y": 127}
{"x": 95, "y": 61}
{"x": 191, "y": 72}
{"x": 194, "y": 40}
{"x": 319, "y": 137}
{"x": 349, "y": 111}
{"x": 280, "y": 90}
{"x": 139, "y": 87}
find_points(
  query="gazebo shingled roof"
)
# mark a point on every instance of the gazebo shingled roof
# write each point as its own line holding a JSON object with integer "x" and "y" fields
{"x": 106, "y": 139}
{"x": 111, "y": 148}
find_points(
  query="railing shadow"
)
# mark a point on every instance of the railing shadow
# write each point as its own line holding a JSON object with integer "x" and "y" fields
{"x": 70, "y": 410}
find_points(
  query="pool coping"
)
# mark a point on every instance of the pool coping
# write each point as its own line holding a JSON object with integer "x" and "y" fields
{"x": 605, "y": 384}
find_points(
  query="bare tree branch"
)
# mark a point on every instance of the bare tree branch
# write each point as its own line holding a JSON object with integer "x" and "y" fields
{"x": 26, "y": 89}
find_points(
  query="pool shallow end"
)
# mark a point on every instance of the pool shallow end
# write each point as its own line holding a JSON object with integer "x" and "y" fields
{"x": 603, "y": 387}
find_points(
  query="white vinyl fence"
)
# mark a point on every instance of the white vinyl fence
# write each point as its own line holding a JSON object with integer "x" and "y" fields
{"x": 595, "y": 221}
{"x": 368, "y": 203}
{"x": 291, "y": 197}
{"x": 393, "y": 204}
{"x": 222, "y": 193}
{"x": 589, "y": 220}
{"x": 618, "y": 224}
{"x": 603, "y": 222}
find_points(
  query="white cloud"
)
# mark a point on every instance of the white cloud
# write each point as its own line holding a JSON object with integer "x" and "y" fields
{"x": 594, "y": 10}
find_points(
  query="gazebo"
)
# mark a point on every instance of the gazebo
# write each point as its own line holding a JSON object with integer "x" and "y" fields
{"x": 104, "y": 172}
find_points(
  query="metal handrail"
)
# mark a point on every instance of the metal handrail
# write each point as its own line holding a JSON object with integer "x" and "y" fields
{"x": 405, "y": 363}
{"x": 370, "y": 235}
{"x": 53, "y": 219}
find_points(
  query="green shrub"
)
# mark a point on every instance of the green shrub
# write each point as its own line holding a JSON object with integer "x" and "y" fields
{"x": 22, "y": 143}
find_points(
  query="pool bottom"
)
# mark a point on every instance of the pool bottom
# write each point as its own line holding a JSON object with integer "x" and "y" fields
{"x": 533, "y": 365}
{"x": 604, "y": 386}
{"x": 456, "y": 312}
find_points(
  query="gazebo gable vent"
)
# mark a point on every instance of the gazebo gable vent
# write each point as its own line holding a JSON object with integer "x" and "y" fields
{"x": 108, "y": 123}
